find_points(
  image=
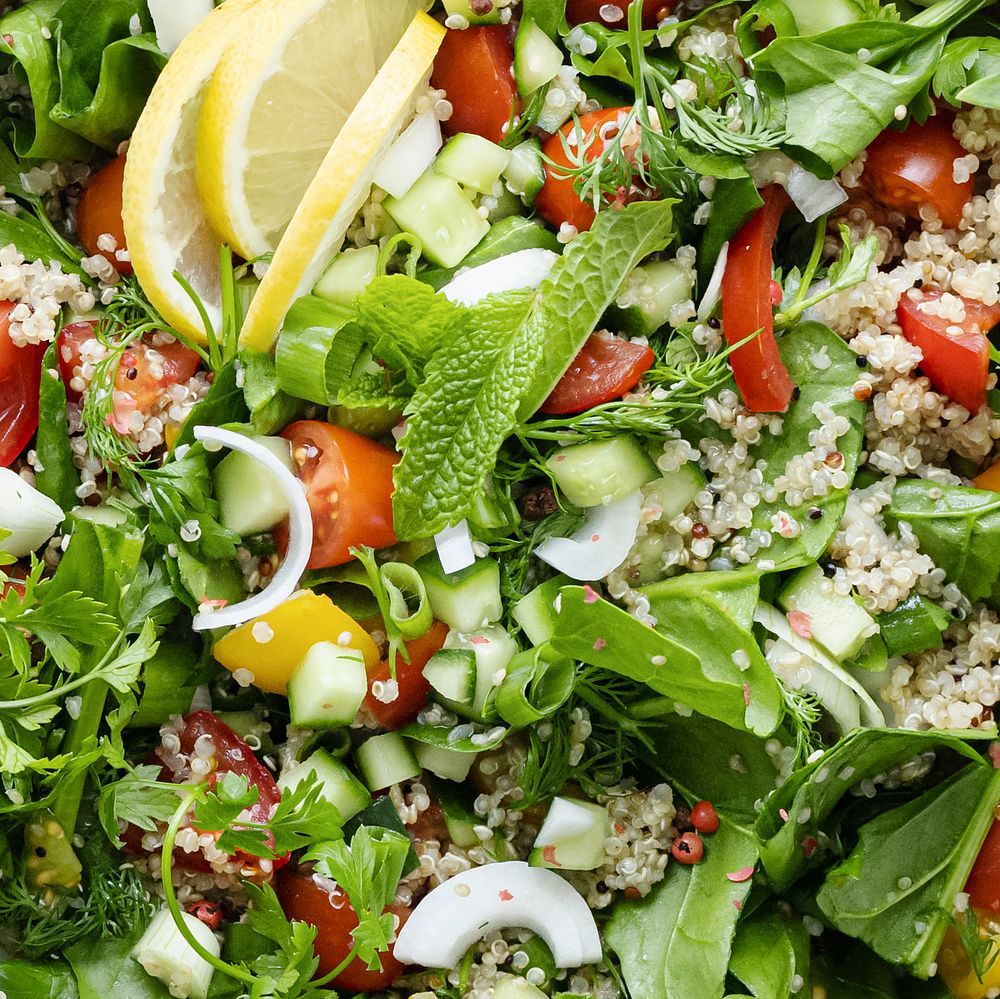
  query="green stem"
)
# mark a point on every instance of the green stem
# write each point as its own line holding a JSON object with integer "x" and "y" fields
{"x": 66, "y": 802}
{"x": 618, "y": 718}
{"x": 653, "y": 707}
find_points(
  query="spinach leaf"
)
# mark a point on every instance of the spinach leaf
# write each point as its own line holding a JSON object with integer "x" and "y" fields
{"x": 35, "y": 242}
{"x": 223, "y": 403}
{"x": 733, "y": 203}
{"x": 676, "y": 942}
{"x": 110, "y": 970}
{"x": 549, "y": 15}
{"x": 271, "y": 409}
{"x": 52, "y": 979}
{"x": 789, "y": 848}
{"x": 770, "y": 951}
{"x": 895, "y": 890}
{"x": 823, "y": 367}
{"x": 969, "y": 72}
{"x": 57, "y": 475}
{"x": 958, "y": 527}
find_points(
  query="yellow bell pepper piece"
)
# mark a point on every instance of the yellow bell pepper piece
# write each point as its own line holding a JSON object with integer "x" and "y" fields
{"x": 955, "y": 969}
{"x": 272, "y": 646}
{"x": 990, "y": 479}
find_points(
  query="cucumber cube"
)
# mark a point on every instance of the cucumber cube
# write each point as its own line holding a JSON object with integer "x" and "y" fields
{"x": 493, "y": 649}
{"x": 650, "y": 294}
{"x": 327, "y": 687}
{"x": 250, "y": 497}
{"x": 338, "y": 785}
{"x": 452, "y": 673}
{"x": 674, "y": 492}
{"x": 572, "y": 836}
{"x": 513, "y": 987}
{"x": 601, "y": 472}
{"x": 448, "y": 764}
{"x": 473, "y": 161}
{"x": 460, "y": 821}
{"x": 536, "y": 613}
{"x": 464, "y": 9}
{"x": 385, "y": 760}
{"x": 348, "y": 275}
{"x": 525, "y": 173}
{"x": 537, "y": 58}
{"x": 464, "y": 600}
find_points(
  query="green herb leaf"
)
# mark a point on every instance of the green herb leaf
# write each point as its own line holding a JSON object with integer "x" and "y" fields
{"x": 57, "y": 475}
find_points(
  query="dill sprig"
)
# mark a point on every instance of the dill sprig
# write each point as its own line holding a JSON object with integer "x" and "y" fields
{"x": 802, "y": 714}
{"x": 981, "y": 948}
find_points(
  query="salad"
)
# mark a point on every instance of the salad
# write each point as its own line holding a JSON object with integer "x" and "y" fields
{"x": 499, "y": 499}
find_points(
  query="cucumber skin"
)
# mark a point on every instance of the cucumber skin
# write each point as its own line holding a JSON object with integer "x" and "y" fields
{"x": 313, "y": 682}
{"x": 340, "y": 786}
{"x": 464, "y": 600}
{"x": 385, "y": 760}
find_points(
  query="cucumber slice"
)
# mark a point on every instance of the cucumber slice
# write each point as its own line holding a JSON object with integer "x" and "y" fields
{"x": 812, "y": 18}
{"x": 601, "y": 472}
{"x": 464, "y": 9}
{"x": 674, "y": 492}
{"x": 348, "y": 275}
{"x": 439, "y": 213}
{"x": 338, "y": 785}
{"x": 572, "y": 836}
{"x": 493, "y": 649}
{"x": 250, "y": 497}
{"x": 466, "y": 599}
{"x": 649, "y": 295}
{"x": 460, "y": 821}
{"x": 837, "y": 621}
{"x": 385, "y": 760}
{"x": 452, "y": 673}
{"x": 448, "y": 764}
{"x": 473, "y": 161}
{"x": 536, "y": 613}
{"x": 525, "y": 173}
{"x": 513, "y": 987}
{"x": 327, "y": 687}
{"x": 537, "y": 58}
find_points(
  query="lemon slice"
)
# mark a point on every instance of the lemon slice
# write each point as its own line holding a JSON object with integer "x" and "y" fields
{"x": 280, "y": 95}
{"x": 165, "y": 226}
{"x": 343, "y": 182}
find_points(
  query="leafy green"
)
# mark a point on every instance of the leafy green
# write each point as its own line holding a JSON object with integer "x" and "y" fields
{"x": 24, "y": 979}
{"x": 969, "y": 72}
{"x": 536, "y": 685}
{"x": 271, "y": 409}
{"x": 770, "y": 950}
{"x": 224, "y": 403}
{"x": 57, "y": 475}
{"x": 733, "y": 203}
{"x": 549, "y": 15}
{"x": 110, "y": 970}
{"x": 896, "y": 889}
{"x": 676, "y": 942}
{"x": 511, "y": 349}
{"x": 916, "y": 624}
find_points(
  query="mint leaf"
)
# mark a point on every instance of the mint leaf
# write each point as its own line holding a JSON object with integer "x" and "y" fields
{"x": 502, "y": 358}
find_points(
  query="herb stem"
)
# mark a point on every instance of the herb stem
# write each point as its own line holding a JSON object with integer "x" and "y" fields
{"x": 66, "y": 801}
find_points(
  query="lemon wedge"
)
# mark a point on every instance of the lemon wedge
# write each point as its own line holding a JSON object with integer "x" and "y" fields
{"x": 278, "y": 99}
{"x": 165, "y": 226}
{"x": 343, "y": 181}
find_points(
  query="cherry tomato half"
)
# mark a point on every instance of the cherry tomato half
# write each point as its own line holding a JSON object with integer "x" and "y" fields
{"x": 334, "y": 918}
{"x": 760, "y": 373}
{"x": 983, "y": 885}
{"x": 580, "y": 11}
{"x": 605, "y": 369}
{"x": 100, "y": 212}
{"x": 20, "y": 379}
{"x": 413, "y": 687}
{"x": 957, "y": 365}
{"x": 909, "y": 169}
{"x": 475, "y": 69}
{"x": 349, "y": 487}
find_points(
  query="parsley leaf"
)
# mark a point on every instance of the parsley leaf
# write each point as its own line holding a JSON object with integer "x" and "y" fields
{"x": 140, "y": 799}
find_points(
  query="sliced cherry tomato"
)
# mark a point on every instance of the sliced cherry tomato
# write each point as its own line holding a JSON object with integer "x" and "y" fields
{"x": 20, "y": 379}
{"x": 760, "y": 373}
{"x": 909, "y": 169}
{"x": 605, "y": 369}
{"x": 983, "y": 885}
{"x": 581, "y": 11}
{"x": 349, "y": 486}
{"x": 957, "y": 365}
{"x": 413, "y": 687}
{"x": 334, "y": 918}
{"x": 475, "y": 69}
{"x": 100, "y": 212}
{"x": 557, "y": 201}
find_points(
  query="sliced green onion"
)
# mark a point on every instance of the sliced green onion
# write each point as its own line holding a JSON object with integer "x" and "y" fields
{"x": 534, "y": 688}
{"x": 409, "y": 608}
{"x": 412, "y": 258}
{"x": 306, "y": 337}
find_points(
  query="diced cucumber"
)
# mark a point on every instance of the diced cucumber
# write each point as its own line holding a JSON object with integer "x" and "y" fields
{"x": 525, "y": 173}
{"x": 572, "y": 836}
{"x": 249, "y": 495}
{"x": 536, "y": 58}
{"x": 513, "y": 987}
{"x": 338, "y": 785}
{"x": 464, "y": 600}
{"x": 649, "y": 295}
{"x": 166, "y": 955}
{"x": 106, "y": 516}
{"x": 460, "y": 821}
{"x": 675, "y": 491}
{"x": 448, "y": 764}
{"x": 473, "y": 161}
{"x": 327, "y": 687}
{"x": 348, "y": 275}
{"x": 837, "y": 621}
{"x": 507, "y": 206}
{"x": 452, "y": 673}
{"x": 464, "y": 9}
{"x": 536, "y": 613}
{"x": 601, "y": 472}
{"x": 813, "y": 18}
{"x": 440, "y": 214}
{"x": 915, "y": 625}
{"x": 493, "y": 649}
{"x": 385, "y": 760}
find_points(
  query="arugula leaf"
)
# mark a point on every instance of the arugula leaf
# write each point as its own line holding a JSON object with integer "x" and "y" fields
{"x": 969, "y": 72}
{"x": 771, "y": 948}
{"x": 676, "y": 942}
{"x": 511, "y": 350}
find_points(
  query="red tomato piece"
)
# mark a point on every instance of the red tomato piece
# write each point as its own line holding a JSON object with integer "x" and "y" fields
{"x": 20, "y": 379}
{"x": 100, "y": 212}
{"x": 614, "y": 13}
{"x": 349, "y": 487}
{"x": 334, "y": 918}
{"x": 413, "y": 687}
{"x": 605, "y": 369}
{"x": 956, "y": 363}
{"x": 475, "y": 69}
{"x": 760, "y": 373}
{"x": 909, "y": 169}
{"x": 983, "y": 885}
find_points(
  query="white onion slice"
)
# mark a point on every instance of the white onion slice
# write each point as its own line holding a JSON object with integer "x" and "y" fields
{"x": 813, "y": 197}
{"x": 300, "y": 535}
{"x": 411, "y": 154}
{"x": 521, "y": 269}
{"x": 454, "y": 547}
{"x": 174, "y": 19}
{"x": 601, "y": 545}
{"x": 714, "y": 290}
